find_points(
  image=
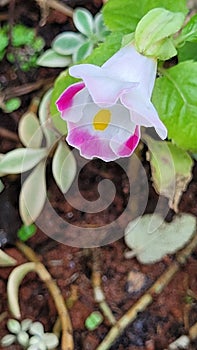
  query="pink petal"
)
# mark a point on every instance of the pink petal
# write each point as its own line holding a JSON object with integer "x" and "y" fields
{"x": 89, "y": 145}
{"x": 65, "y": 100}
{"x": 105, "y": 88}
{"x": 128, "y": 147}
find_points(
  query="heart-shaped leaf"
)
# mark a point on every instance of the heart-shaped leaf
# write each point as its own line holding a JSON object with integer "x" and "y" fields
{"x": 151, "y": 238}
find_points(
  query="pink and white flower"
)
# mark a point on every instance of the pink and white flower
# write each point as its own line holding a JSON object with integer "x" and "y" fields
{"x": 104, "y": 112}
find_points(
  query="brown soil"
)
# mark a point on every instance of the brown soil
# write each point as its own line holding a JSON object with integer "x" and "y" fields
{"x": 171, "y": 314}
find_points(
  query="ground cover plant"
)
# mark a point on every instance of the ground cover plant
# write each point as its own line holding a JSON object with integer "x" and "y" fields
{"x": 98, "y": 175}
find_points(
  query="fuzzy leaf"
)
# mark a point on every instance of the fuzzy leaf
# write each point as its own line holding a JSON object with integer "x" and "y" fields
{"x": 33, "y": 195}
{"x": 82, "y": 52}
{"x": 83, "y": 21}
{"x": 66, "y": 43}
{"x": 63, "y": 167}
{"x": 178, "y": 170}
{"x": 45, "y": 119}
{"x": 152, "y": 245}
{"x": 6, "y": 260}
{"x": 14, "y": 281}
{"x": 125, "y": 17}
{"x": 30, "y": 131}
{"x": 51, "y": 340}
{"x": 174, "y": 97}
{"x": 8, "y": 340}
{"x": 50, "y": 58}
{"x": 21, "y": 159}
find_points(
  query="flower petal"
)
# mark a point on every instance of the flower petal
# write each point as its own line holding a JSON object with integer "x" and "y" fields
{"x": 66, "y": 98}
{"x": 131, "y": 66}
{"x": 105, "y": 88}
{"x": 143, "y": 112}
{"x": 128, "y": 147}
{"x": 75, "y": 112}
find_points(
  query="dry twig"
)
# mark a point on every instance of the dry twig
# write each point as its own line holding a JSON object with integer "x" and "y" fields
{"x": 67, "y": 338}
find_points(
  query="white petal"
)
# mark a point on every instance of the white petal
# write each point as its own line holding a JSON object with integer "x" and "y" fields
{"x": 74, "y": 113}
{"x": 143, "y": 112}
{"x": 105, "y": 88}
{"x": 131, "y": 66}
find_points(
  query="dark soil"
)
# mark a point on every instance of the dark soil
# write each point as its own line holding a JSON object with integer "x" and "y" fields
{"x": 171, "y": 314}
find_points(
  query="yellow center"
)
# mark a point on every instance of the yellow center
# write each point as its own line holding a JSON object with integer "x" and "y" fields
{"x": 102, "y": 119}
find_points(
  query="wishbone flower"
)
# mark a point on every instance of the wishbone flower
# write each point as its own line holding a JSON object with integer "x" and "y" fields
{"x": 104, "y": 112}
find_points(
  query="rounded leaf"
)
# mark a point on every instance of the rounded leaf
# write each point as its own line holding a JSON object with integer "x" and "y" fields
{"x": 45, "y": 118}
{"x": 64, "y": 167}
{"x": 36, "y": 328}
{"x": 23, "y": 338}
{"x": 151, "y": 238}
{"x": 8, "y": 340}
{"x": 30, "y": 131}
{"x": 52, "y": 59}
{"x": 100, "y": 28}
{"x": 30, "y": 206}
{"x": 25, "y": 324}
{"x": 14, "y": 281}
{"x": 21, "y": 159}
{"x": 66, "y": 43}
{"x": 51, "y": 340}
{"x": 83, "y": 51}
{"x": 13, "y": 326}
{"x": 83, "y": 21}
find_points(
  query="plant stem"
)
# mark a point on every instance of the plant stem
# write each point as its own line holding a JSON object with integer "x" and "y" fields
{"x": 147, "y": 298}
{"x": 67, "y": 338}
{"x": 98, "y": 292}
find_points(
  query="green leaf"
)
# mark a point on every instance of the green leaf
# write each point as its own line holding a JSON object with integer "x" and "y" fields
{"x": 83, "y": 21}
{"x": 23, "y": 339}
{"x": 13, "y": 326}
{"x": 1, "y": 185}
{"x": 52, "y": 59}
{"x": 22, "y": 35}
{"x": 174, "y": 97}
{"x": 30, "y": 206}
{"x": 21, "y": 159}
{"x": 64, "y": 167}
{"x": 189, "y": 32}
{"x": 51, "y": 340}
{"x": 152, "y": 35}
{"x": 8, "y": 340}
{"x": 178, "y": 170}
{"x": 36, "y": 328}
{"x": 30, "y": 131}
{"x": 6, "y": 260}
{"x": 187, "y": 52}
{"x": 151, "y": 244}
{"x": 93, "y": 320}
{"x": 100, "y": 28}
{"x": 66, "y": 43}
{"x": 4, "y": 39}
{"x": 125, "y": 16}
{"x": 14, "y": 281}
{"x": 12, "y": 104}
{"x": 82, "y": 52}
{"x": 45, "y": 119}
{"x": 26, "y": 232}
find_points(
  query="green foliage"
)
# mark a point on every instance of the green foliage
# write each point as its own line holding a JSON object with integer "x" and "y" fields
{"x": 73, "y": 47}
{"x": 187, "y": 52}
{"x": 11, "y": 105}
{"x": 151, "y": 238}
{"x": 30, "y": 335}
{"x": 125, "y": 17}
{"x": 153, "y": 33}
{"x": 93, "y": 320}
{"x": 174, "y": 97}
{"x": 26, "y": 232}
{"x": 26, "y": 46}
{"x": 178, "y": 169}
{"x": 188, "y": 33}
